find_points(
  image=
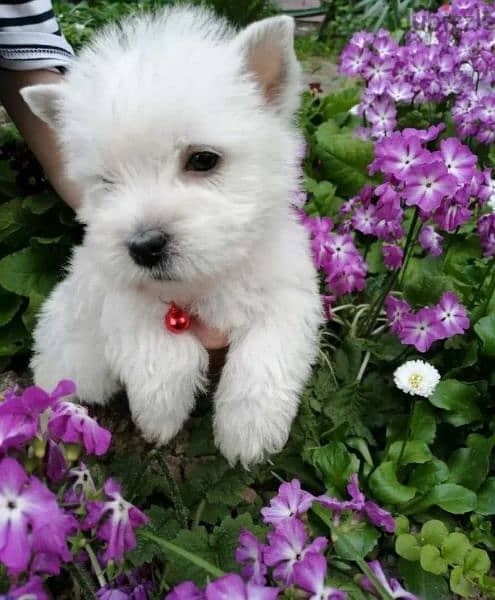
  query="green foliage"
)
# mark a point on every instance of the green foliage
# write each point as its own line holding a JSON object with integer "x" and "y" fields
{"x": 35, "y": 242}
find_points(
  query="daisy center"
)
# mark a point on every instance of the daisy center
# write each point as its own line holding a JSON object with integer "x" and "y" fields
{"x": 415, "y": 381}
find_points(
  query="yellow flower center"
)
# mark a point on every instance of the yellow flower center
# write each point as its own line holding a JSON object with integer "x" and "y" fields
{"x": 415, "y": 381}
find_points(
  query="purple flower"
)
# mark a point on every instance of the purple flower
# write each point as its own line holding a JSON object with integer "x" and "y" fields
{"x": 451, "y": 315}
{"x": 32, "y": 590}
{"x": 393, "y": 587}
{"x": 377, "y": 515}
{"x": 33, "y": 401}
{"x": 109, "y": 593}
{"x": 392, "y": 256}
{"x": 364, "y": 219}
{"x": 396, "y": 310}
{"x": 55, "y": 462}
{"x": 309, "y": 575}
{"x": 427, "y": 185}
{"x": 287, "y": 546}
{"x": 31, "y": 519}
{"x": 290, "y": 502}
{"x": 486, "y": 231}
{"x": 382, "y": 116}
{"x": 82, "y": 484}
{"x": 232, "y": 587}
{"x": 186, "y": 591}
{"x": 250, "y": 555}
{"x": 396, "y": 155}
{"x": 459, "y": 160}
{"x": 453, "y": 212}
{"x": 15, "y": 431}
{"x": 430, "y": 240}
{"x": 71, "y": 423}
{"x": 421, "y": 329}
{"x": 115, "y": 521}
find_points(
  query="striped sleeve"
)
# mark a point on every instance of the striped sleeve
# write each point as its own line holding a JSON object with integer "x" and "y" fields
{"x": 30, "y": 37}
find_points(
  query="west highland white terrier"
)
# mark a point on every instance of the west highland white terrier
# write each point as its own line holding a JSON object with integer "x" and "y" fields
{"x": 179, "y": 132}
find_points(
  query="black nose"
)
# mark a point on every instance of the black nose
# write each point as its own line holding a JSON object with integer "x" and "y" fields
{"x": 148, "y": 248}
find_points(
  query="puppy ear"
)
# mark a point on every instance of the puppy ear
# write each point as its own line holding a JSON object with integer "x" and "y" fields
{"x": 45, "y": 101}
{"x": 267, "y": 48}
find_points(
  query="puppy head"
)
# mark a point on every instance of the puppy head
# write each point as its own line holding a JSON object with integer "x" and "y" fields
{"x": 179, "y": 132}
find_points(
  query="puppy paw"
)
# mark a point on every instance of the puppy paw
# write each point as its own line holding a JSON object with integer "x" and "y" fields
{"x": 249, "y": 439}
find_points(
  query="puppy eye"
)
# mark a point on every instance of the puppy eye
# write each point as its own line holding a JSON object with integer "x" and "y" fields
{"x": 202, "y": 161}
{"x": 107, "y": 181}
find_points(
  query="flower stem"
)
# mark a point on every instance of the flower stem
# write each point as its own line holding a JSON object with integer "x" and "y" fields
{"x": 96, "y": 565}
{"x": 180, "y": 509}
{"x": 193, "y": 558}
{"x": 491, "y": 288}
{"x": 363, "y": 366}
{"x": 83, "y": 580}
{"x": 409, "y": 247}
{"x": 408, "y": 435}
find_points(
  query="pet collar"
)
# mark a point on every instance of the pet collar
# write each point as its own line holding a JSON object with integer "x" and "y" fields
{"x": 177, "y": 319}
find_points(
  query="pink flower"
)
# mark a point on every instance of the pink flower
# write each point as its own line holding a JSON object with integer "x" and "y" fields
{"x": 232, "y": 587}
{"x": 310, "y": 574}
{"x": 396, "y": 311}
{"x": 186, "y": 591}
{"x": 451, "y": 315}
{"x": 290, "y": 502}
{"x": 30, "y": 520}
{"x": 427, "y": 185}
{"x": 392, "y": 256}
{"x": 115, "y": 521}
{"x": 430, "y": 240}
{"x": 71, "y": 423}
{"x": 459, "y": 160}
{"x": 250, "y": 555}
{"x": 393, "y": 587}
{"x": 287, "y": 546}
{"x": 421, "y": 329}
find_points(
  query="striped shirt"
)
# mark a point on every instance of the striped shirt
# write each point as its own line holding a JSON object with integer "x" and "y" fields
{"x": 30, "y": 37}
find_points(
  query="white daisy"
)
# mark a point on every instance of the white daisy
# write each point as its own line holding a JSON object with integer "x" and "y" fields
{"x": 417, "y": 377}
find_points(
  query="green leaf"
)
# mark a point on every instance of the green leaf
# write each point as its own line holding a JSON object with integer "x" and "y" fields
{"x": 431, "y": 561}
{"x": 459, "y": 584}
{"x": 485, "y": 330}
{"x": 345, "y": 159}
{"x": 469, "y": 467}
{"x": 161, "y": 523}
{"x": 423, "y": 423}
{"x": 455, "y": 547}
{"x": 434, "y": 532}
{"x": 425, "y": 476}
{"x": 402, "y": 525}
{"x": 477, "y": 562}
{"x": 423, "y": 584}
{"x": 13, "y": 338}
{"x": 9, "y": 305}
{"x": 31, "y": 270}
{"x": 406, "y": 545}
{"x": 387, "y": 488}
{"x": 41, "y": 203}
{"x": 339, "y": 102}
{"x": 414, "y": 452}
{"x": 458, "y": 398}
{"x": 486, "y": 498}
{"x": 453, "y": 498}
{"x": 11, "y": 218}
{"x": 425, "y": 281}
{"x": 352, "y": 540}
{"x": 30, "y": 315}
{"x": 225, "y": 539}
{"x": 181, "y": 568}
{"x": 335, "y": 465}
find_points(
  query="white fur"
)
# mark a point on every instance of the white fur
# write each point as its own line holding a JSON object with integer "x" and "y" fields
{"x": 132, "y": 103}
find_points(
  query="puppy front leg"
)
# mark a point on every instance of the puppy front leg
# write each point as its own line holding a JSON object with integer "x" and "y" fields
{"x": 161, "y": 371}
{"x": 266, "y": 369}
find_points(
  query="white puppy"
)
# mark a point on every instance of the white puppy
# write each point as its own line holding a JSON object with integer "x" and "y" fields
{"x": 179, "y": 132}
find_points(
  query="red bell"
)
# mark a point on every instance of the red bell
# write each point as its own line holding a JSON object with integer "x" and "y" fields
{"x": 177, "y": 320}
